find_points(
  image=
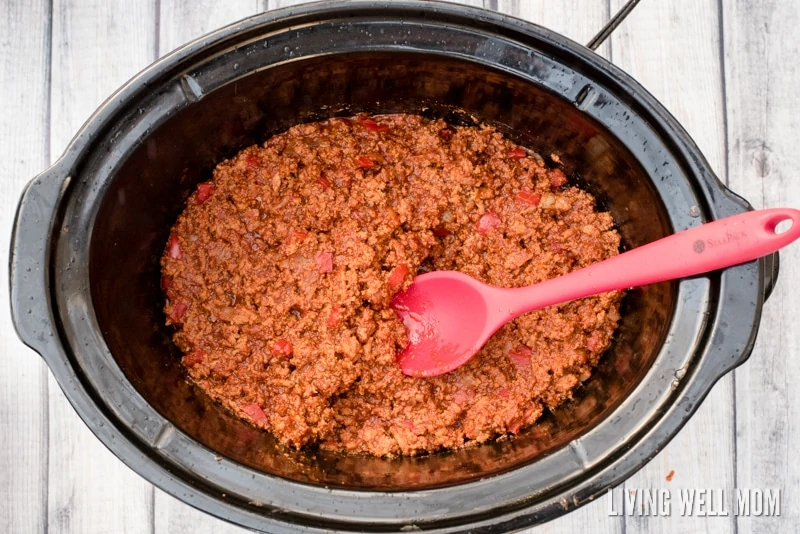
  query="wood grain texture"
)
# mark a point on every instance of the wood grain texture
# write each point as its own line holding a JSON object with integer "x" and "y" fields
{"x": 672, "y": 48}
{"x": 174, "y": 517}
{"x": 562, "y": 17}
{"x": 55, "y": 476}
{"x": 97, "y": 46}
{"x": 577, "y": 19}
{"x": 580, "y": 21}
{"x": 181, "y": 21}
{"x": 761, "y": 48}
{"x": 23, "y": 154}
{"x": 274, "y": 4}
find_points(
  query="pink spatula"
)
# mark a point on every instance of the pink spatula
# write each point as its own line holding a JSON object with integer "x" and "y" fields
{"x": 450, "y": 316}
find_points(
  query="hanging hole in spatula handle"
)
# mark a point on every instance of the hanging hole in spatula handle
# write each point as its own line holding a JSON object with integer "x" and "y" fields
{"x": 778, "y": 226}
{"x": 711, "y": 246}
{"x": 780, "y": 223}
{"x": 741, "y": 238}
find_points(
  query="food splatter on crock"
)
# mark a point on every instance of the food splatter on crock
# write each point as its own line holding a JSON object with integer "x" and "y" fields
{"x": 280, "y": 270}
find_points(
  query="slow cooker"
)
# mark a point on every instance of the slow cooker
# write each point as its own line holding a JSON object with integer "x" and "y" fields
{"x": 90, "y": 229}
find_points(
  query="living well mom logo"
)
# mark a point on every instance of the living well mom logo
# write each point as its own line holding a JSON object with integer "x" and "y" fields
{"x": 705, "y": 502}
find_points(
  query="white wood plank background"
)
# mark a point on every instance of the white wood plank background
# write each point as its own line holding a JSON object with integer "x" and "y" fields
{"x": 90, "y": 491}
{"x": 672, "y": 48}
{"x": 760, "y": 48}
{"x": 24, "y": 57}
{"x": 726, "y": 69}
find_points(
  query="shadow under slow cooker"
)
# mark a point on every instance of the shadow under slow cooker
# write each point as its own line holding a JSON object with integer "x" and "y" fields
{"x": 151, "y": 187}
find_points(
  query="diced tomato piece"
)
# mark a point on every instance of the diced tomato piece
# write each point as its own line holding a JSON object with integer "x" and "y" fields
{"x": 521, "y": 357}
{"x": 517, "y": 153}
{"x": 364, "y": 162}
{"x": 335, "y": 317}
{"x": 594, "y": 342}
{"x": 557, "y": 178}
{"x": 255, "y": 413}
{"x": 373, "y": 126}
{"x": 441, "y": 231}
{"x": 166, "y": 281}
{"x": 504, "y": 393}
{"x": 178, "y": 311}
{"x": 462, "y": 397}
{"x": 522, "y": 351}
{"x": 529, "y": 197}
{"x": 409, "y": 425}
{"x": 324, "y": 182}
{"x": 282, "y": 348}
{"x": 204, "y": 191}
{"x": 298, "y": 236}
{"x": 251, "y": 161}
{"x": 488, "y": 221}
{"x": 193, "y": 358}
{"x": 516, "y": 425}
{"x": 397, "y": 277}
{"x": 324, "y": 261}
{"x": 446, "y": 134}
{"x": 174, "y": 248}
{"x": 580, "y": 125}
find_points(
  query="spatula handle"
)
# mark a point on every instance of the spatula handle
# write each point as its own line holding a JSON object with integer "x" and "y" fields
{"x": 711, "y": 246}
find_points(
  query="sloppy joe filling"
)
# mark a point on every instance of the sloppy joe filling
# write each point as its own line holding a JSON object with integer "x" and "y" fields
{"x": 280, "y": 271}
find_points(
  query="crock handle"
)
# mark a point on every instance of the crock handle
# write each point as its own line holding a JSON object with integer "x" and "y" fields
{"x": 772, "y": 266}
{"x": 28, "y": 276}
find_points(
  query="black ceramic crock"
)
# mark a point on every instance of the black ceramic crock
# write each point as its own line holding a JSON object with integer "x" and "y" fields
{"x": 89, "y": 231}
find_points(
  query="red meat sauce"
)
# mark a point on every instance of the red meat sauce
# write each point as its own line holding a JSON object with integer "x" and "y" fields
{"x": 280, "y": 271}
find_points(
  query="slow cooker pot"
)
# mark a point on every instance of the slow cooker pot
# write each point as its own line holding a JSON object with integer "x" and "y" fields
{"x": 90, "y": 229}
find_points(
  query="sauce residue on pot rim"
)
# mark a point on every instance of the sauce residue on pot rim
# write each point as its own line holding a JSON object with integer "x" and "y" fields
{"x": 280, "y": 270}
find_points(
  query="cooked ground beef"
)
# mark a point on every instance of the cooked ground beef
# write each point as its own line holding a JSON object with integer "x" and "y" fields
{"x": 280, "y": 271}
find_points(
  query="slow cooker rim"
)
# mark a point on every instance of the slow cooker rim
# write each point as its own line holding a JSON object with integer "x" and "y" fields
{"x": 67, "y": 163}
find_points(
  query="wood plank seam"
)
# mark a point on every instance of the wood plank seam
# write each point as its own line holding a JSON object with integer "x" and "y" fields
{"x": 737, "y": 87}
{"x": 726, "y": 181}
{"x": 45, "y": 370}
